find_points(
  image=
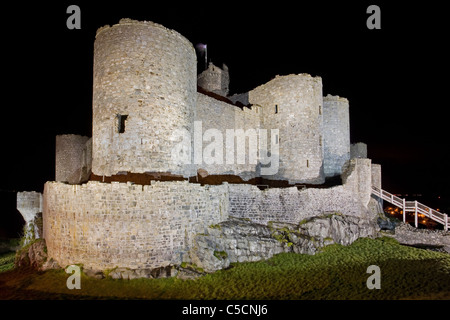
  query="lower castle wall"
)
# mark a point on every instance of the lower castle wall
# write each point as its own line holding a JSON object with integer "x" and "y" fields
{"x": 290, "y": 204}
{"x": 108, "y": 225}
{"x": 112, "y": 225}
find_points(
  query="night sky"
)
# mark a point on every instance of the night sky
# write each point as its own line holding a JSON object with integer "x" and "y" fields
{"x": 394, "y": 77}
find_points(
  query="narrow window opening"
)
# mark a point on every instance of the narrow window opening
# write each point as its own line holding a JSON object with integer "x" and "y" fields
{"x": 277, "y": 139}
{"x": 320, "y": 110}
{"x": 276, "y": 109}
{"x": 307, "y": 163}
{"x": 121, "y": 118}
{"x": 320, "y": 141}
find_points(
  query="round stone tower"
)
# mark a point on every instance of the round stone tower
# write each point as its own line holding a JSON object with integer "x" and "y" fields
{"x": 336, "y": 132}
{"x": 145, "y": 88}
{"x": 293, "y": 105}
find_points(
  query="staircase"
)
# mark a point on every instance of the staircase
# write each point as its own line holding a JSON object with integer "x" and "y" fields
{"x": 413, "y": 206}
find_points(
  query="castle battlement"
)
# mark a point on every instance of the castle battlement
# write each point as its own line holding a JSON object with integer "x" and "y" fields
{"x": 330, "y": 97}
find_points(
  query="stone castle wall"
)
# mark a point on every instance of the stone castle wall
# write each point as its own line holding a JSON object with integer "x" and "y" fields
{"x": 29, "y": 203}
{"x": 292, "y": 105}
{"x": 215, "y": 114}
{"x": 145, "y": 84}
{"x": 113, "y": 225}
{"x": 292, "y": 205}
{"x": 73, "y": 162}
{"x": 336, "y": 134}
{"x": 358, "y": 150}
{"x": 357, "y": 178}
{"x": 104, "y": 225}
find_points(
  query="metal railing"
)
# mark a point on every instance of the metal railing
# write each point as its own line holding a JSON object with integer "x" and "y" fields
{"x": 413, "y": 206}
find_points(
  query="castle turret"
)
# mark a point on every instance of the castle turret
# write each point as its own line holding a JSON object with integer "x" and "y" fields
{"x": 215, "y": 79}
{"x": 145, "y": 88}
{"x": 336, "y": 134}
{"x": 292, "y": 104}
{"x": 73, "y": 159}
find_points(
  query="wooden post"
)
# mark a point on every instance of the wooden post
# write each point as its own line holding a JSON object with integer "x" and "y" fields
{"x": 415, "y": 213}
{"x": 404, "y": 210}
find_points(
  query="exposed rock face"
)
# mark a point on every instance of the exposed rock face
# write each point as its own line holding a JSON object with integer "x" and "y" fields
{"x": 407, "y": 234}
{"x": 238, "y": 240}
{"x": 128, "y": 274}
{"x": 35, "y": 256}
{"x": 341, "y": 229}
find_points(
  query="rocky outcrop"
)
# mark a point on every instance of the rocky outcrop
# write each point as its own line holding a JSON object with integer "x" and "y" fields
{"x": 34, "y": 255}
{"x": 129, "y": 274}
{"x": 239, "y": 240}
{"x": 407, "y": 234}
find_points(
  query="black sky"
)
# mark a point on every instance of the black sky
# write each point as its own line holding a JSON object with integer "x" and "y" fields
{"x": 394, "y": 78}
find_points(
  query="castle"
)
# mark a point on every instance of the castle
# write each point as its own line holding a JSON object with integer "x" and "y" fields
{"x": 147, "y": 102}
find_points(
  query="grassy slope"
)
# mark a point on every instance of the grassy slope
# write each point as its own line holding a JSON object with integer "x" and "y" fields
{"x": 337, "y": 272}
{"x": 7, "y": 261}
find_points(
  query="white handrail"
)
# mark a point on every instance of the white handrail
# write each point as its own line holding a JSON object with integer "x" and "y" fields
{"x": 413, "y": 206}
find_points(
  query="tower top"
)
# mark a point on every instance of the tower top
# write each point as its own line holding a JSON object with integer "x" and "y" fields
{"x": 215, "y": 79}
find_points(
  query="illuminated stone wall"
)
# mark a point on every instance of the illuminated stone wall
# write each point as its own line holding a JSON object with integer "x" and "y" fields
{"x": 336, "y": 134}
{"x": 215, "y": 79}
{"x": 292, "y": 104}
{"x": 73, "y": 158}
{"x": 292, "y": 205}
{"x": 222, "y": 116}
{"x": 104, "y": 226}
{"x": 145, "y": 88}
{"x": 29, "y": 203}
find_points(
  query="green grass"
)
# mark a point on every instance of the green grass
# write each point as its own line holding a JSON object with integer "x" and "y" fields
{"x": 338, "y": 272}
{"x": 7, "y": 261}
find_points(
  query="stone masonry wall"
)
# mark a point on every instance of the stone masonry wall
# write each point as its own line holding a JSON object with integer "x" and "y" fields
{"x": 104, "y": 225}
{"x": 292, "y": 205}
{"x": 357, "y": 178}
{"x": 336, "y": 134}
{"x": 73, "y": 161}
{"x": 113, "y": 225}
{"x": 358, "y": 150}
{"x": 375, "y": 203}
{"x": 29, "y": 203}
{"x": 292, "y": 104}
{"x": 215, "y": 79}
{"x": 144, "y": 89}
{"x": 215, "y": 114}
